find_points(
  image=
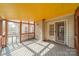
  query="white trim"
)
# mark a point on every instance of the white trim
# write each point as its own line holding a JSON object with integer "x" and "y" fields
{"x": 64, "y": 29}
{"x": 58, "y": 17}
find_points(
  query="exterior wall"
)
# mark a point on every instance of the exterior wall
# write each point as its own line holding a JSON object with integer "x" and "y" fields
{"x": 39, "y": 30}
{"x": 69, "y": 29}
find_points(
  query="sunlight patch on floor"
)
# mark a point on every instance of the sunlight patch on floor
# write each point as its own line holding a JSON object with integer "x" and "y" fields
{"x": 22, "y": 52}
{"x": 35, "y": 47}
{"x": 51, "y": 46}
{"x": 45, "y": 51}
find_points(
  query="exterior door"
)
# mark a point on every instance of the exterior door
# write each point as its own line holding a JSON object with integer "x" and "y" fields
{"x": 61, "y": 31}
{"x": 59, "y": 26}
{"x": 76, "y": 20}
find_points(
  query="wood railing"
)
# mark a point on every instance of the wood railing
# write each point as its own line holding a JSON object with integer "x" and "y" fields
{"x": 15, "y": 38}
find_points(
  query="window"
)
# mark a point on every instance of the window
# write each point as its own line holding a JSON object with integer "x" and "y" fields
{"x": 31, "y": 22}
{"x": 13, "y": 28}
{"x": 31, "y": 28}
{"x": 24, "y": 28}
{"x": 51, "y": 29}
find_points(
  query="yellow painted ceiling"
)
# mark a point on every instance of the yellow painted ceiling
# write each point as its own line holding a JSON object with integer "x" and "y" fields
{"x": 36, "y": 11}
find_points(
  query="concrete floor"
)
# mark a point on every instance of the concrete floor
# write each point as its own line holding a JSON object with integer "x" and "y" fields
{"x": 37, "y": 48}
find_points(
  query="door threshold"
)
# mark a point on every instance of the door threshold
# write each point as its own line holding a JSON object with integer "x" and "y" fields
{"x": 60, "y": 42}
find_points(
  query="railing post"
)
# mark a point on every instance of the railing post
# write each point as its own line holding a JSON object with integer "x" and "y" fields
{"x": 0, "y": 32}
{"x": 20, "y": 29}
{"x": 6, "y": 30}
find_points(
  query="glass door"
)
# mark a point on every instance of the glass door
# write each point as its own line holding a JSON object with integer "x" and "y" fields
{"x": 59, "y": 31}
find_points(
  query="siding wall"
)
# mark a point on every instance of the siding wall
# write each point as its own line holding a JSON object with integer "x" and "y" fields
{"x": 69, "y": 29}
{"x": 39, "y": 30}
